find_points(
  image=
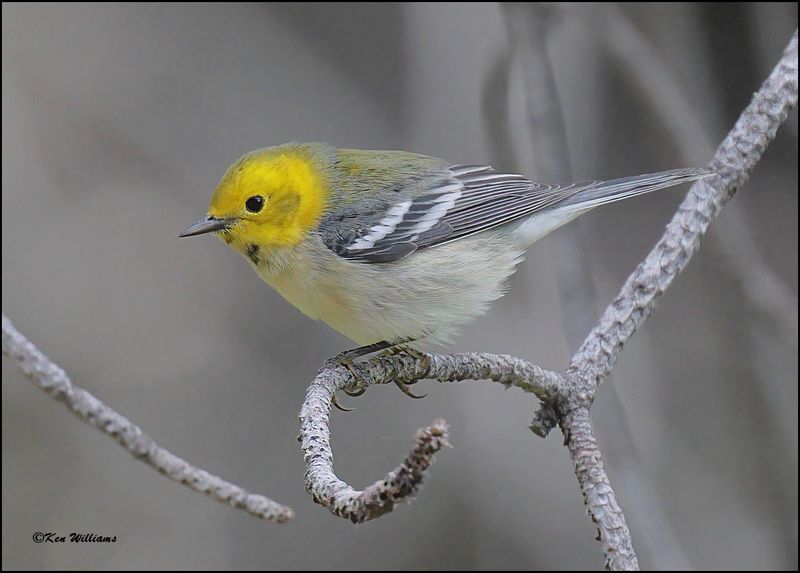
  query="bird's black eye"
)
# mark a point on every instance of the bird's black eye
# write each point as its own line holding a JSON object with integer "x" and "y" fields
{"x": 255, "y": 203}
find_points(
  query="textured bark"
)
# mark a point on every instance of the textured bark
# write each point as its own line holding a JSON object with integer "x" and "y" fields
{"x": 604, "y": 510}
{"x": 50, "y": 378}
{"x": 404, "y": 481}
{"x": 734, "y": 160}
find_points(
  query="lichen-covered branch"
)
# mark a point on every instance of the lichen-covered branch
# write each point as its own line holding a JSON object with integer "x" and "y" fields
{"x": 403, "y": 482}
{"x": 604, "y": 510}
{"x": 734, "y": 160}
{"x": 645, "y": 67}
{"x": 773, "y": 335}
{"x": 50, "y": 378}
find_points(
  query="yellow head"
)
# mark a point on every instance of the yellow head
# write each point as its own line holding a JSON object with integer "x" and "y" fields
{"x": 269, "y": 198}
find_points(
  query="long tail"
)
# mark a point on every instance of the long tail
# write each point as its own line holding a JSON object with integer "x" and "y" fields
{"x": 603, "y": 192}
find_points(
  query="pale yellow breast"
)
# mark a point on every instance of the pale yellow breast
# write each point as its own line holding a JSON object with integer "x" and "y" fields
{"x": 427, "y": 295}
{"x": 316, "y": 288}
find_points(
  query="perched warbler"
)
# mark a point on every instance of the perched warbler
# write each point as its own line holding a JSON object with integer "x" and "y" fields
{"x": 390, "y": 247}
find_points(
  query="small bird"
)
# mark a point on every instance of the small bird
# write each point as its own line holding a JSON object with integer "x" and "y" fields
{"x": 391, "y": 248}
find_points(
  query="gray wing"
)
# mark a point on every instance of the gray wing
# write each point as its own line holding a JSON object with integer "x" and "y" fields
{"x": 461, "y": 201}
{"x": 468, "y": 199}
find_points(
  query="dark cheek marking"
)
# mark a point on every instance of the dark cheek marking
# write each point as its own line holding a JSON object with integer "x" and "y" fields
{"x": 252, "y": 253}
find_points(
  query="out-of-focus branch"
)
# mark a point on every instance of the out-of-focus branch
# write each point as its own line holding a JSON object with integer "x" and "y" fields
{"x": 50, "y": 378}
{"x": 646, "y": 69}
{"x": 773, "y": 334}
{"x": 403, "y": 482}
{"x": 494, "y": 111}
{"x": 530, "y": 27}
{"x": 734, "y": 160}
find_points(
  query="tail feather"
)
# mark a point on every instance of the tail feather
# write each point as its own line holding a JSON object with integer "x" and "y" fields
{"x": 603, "y": 192}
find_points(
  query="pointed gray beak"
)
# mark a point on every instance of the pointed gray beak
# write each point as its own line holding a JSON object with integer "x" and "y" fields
{"x": 208, "y": 225}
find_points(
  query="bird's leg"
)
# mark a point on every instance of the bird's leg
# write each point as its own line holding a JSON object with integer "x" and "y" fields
{"x": 346, "y": 359}
{"x": 421, "y": 356}
{"x": 350, "y": 355}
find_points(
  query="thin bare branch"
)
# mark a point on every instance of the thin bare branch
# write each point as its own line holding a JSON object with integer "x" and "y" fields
{"x": 403, "y": 482}
{"x": 50, "y": 378}
{"x": 734, "y": 160}
{"x": 647, "y": 70}
{"x": 613, "y": 532}
{"x": 773, "y": 338}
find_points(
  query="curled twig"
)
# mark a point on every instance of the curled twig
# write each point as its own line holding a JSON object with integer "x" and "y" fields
{"x": 50, "y": 378}
{"x": 403, "y": 482}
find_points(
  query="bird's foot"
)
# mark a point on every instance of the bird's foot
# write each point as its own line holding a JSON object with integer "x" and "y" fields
{"x": 404, "y": 388}
{"x": 424, "y": 358}
{"x": 346, "y": 359}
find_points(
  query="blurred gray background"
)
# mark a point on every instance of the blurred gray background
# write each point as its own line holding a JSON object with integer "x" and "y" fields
{"x": 119, "y": 120}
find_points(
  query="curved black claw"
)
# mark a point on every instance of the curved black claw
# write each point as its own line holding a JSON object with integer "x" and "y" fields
{"x": 407, "y": 391}
{"x": 338, "y": 406}
{"x": 357, "y": 393}
{"x": 361, "y": 389}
